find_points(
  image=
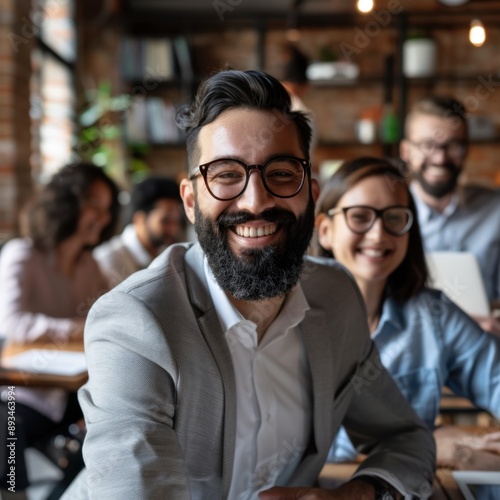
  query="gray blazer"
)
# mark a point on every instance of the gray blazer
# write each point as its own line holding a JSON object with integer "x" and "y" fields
{"x": 160, "y": 403}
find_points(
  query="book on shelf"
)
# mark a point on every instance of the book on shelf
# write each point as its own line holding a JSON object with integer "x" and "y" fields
{"x": 161, "y": 59}
{"x": 135, "y": 124}
{"x": 161, "y": 124}
{"x": 152, "y": 120}
{"x": 184, "y": 58}
{"x": 147, "y": 57}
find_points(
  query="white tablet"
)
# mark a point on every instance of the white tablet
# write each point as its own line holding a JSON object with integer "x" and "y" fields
{"x": 478, "y": 485}
{"x": 458, "y": 275}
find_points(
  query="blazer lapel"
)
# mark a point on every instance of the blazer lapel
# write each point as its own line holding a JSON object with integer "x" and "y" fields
{"x": 319, "y": 358}
{"x": 210, "y": 328}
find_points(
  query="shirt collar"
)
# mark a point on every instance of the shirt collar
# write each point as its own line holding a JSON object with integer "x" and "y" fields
{"x": 131, "y": 241}
{"x": 292, "y": 311}
{"x": 227, "y": 313}
{"x": 392, "y": 315}
{"x": 425, "y": 212}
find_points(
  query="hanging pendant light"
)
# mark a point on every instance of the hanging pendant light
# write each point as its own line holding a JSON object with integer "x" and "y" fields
{"x": 365, "y": 6}
{"x": 477, "y": 34}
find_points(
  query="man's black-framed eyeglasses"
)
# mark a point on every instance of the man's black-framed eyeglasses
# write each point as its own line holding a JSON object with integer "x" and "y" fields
{"x": 227, "y": 178}
{"x": 455, "y": 148}
{"x": 396, "y": 219}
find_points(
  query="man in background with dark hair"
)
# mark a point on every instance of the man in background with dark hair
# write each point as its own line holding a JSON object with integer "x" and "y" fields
{"x": 156, "y": 222}
{"x": 452, "y": 217}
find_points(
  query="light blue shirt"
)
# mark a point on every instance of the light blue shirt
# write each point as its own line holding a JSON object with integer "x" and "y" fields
{"x": 427, "y": 343}
{"x": 470, "y": 223}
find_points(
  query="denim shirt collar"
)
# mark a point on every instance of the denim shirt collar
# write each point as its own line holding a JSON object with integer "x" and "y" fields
{"x": 392, "y": 317}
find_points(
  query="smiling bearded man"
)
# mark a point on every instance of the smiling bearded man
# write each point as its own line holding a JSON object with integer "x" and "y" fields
{"x": 259, "y": 273}
{"x": 224, "y": 370}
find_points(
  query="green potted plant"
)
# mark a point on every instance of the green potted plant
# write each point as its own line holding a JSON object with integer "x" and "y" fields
{"x": 101, "y": 135}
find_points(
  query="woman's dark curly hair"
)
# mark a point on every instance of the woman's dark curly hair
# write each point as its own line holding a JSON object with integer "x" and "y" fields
{"x": 54, "y": 213}
{"x": 411, "y": 275}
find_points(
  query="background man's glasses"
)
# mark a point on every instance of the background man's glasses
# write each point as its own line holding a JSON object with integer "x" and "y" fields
{"x": 227, "y": 178}
{"x": 454, "y": 148}
{"x": 397, "y": 220}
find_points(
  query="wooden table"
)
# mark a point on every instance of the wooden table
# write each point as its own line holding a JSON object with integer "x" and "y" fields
{"x": 455, "y": 410}
{"x": 9, "y": 376}
{"x": 445, "y": 487}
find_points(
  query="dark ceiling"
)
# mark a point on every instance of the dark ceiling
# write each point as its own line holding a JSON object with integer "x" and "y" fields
{"x": 199, "y": 14}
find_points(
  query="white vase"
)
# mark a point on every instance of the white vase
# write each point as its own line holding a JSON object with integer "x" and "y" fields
{"x": 419, "y": 57}
{"x": 337, "y": 70}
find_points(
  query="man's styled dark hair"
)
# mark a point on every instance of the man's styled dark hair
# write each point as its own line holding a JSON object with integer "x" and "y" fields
{"x": 54, "y": 213}
{"x": 411, "y": 275}
{"x": 231, "y": 89}
{"x": 145, "y": 194}
{"x": 440, "y": 106}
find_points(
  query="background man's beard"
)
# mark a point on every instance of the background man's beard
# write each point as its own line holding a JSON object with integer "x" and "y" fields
{"x": 439, "y": 189}
{"x": 256, "y": 274}
{"x": 159, "y": 242}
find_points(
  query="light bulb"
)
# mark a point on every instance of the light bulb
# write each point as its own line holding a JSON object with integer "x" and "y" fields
{"x": 365, "y": 6}
{"x": 477, "y": 34}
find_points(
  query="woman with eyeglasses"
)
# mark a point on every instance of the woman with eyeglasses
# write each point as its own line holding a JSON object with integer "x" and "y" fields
{"x": 365, "y": 219}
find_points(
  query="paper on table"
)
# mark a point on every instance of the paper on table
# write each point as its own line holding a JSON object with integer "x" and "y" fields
{"x": 50, "y": 361}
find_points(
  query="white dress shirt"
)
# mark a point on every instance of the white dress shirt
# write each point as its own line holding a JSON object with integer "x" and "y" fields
{"x": 273, "y": 388}
{"x": 122, "y": 256}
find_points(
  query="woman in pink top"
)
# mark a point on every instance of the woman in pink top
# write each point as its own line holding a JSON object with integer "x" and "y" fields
{"x": 48, "y": 282}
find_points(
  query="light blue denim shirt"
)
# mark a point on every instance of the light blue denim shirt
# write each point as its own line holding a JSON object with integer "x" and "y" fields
{"x": 470, "y": 223}
{"x": 426, "y": 343}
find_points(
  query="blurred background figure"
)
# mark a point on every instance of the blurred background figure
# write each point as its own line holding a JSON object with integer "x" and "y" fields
{"x": 49, "y": 280}
{"x": 366, "y": 219}
{"x": 452, "y": 216}
{"x": 156, "y": 221}
{"x": 295, "y": 77}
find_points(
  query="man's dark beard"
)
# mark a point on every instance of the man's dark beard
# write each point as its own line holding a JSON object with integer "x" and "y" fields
{"x": 440, "y": 189}
{"x": 256, "y": 274}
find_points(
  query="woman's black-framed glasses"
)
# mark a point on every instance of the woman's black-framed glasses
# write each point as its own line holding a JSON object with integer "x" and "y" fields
{"x": 227, "y": 178}
{"x": 397, "y": 219}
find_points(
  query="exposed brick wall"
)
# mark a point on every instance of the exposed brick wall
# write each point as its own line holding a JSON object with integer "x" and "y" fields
{"x": 336, "y": 109}
{"x": 15, "y": 134}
